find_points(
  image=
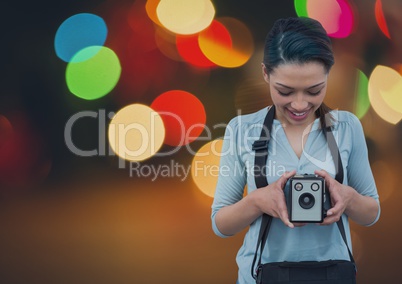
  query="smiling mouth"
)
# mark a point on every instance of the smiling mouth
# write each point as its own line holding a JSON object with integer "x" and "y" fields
{"x": 299, "y": 113}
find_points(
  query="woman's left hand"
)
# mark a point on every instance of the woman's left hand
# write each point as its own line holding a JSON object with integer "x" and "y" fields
{"x": 340, "y": 194}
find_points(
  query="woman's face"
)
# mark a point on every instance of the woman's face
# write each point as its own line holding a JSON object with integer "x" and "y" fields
{"x": 297, "y": 91}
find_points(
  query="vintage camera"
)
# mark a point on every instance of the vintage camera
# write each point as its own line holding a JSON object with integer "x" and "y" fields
{"x": 306, "y": 199}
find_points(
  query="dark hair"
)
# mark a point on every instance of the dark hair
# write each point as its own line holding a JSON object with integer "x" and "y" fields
{"x": 299, "y": 40}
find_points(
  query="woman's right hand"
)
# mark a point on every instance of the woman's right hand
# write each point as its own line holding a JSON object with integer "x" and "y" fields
{"x": 271, "y": 199}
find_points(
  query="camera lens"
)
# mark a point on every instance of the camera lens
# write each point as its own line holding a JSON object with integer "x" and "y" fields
{"x": 306, "y": 200}
{"x": 315, "y": 186}
{"x": 298, "y": 186}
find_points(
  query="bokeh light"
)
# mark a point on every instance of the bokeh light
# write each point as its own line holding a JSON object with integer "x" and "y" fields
{"x": 185, "y": 17}
{"x": 78, "y": 32}
{"x": 94, "y": 77}
{"x": 380, "y": 18}
{"x": 385, "y": 87}
{"x": 392, "y": 95}
{"x": 190, "y": 51}
{"x": 6, "y": 130}
{"x": 336, "y": 16}
{"x": 136, "y": 132}
{"x": 23, "y": 157}
{"x": 301, "y": 8}
{"x": 227, "y": 42}
{"x": 362, "y": 101}
{"x": 150, "y": 8}
{"x": 205, "y": 167}
{"x": 215, "y": 39}
{"x": 183, "y": 115}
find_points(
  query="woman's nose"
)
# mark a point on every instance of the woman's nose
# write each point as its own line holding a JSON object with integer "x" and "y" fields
{"x": 299, "y": 103}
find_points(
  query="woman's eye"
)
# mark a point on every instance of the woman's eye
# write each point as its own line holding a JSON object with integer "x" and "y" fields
{"x": 315, "y": 93}
{"x": 284, "y": 94}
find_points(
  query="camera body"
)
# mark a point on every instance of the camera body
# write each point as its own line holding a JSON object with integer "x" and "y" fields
{"x": 306, "y": 199}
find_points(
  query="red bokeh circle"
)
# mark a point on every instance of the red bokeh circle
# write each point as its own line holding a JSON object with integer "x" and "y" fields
{"x": 183, "y": 115}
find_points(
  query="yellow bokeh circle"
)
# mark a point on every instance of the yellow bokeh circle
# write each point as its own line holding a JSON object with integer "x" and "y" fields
{"x": 185, "y": 17}
{"x": 136, "y": 132}
{"x": 205, "y": 167}
{"x": 384, "y": 91}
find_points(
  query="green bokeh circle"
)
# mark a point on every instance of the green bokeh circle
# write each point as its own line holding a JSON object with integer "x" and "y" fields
{"x": 93, "y": 72}
{"x": 301, "y": 8}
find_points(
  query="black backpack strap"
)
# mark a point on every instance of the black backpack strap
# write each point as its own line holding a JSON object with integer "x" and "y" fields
{"x": 260, "y": 161}
{"x": 260, "y": 147}
{"x": 336, "y": 156}
{"x": 262, "y": 239}
{"x": 261, "y": 155}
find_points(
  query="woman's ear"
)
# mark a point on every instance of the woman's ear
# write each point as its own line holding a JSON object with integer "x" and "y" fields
{"x": 265, "y": 73}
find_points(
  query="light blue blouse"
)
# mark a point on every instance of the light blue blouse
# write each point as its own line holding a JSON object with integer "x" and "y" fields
{"x": 310, "y": 242}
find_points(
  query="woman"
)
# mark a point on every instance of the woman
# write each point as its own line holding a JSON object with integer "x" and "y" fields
{"x": 297, "y": 61}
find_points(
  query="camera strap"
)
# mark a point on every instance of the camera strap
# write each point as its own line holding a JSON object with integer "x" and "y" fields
{"x": 260, "y": 148}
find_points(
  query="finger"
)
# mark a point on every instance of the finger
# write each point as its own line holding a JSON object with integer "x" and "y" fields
{"x": 333, "y": 214}
{"x": 323, "y": 174}
{"x": 326, "y": 222}
{"x": 337, "y": 209}
{"x": 289, "y": 174}
{"x": 283, "y": 215}
{"x": 330, "y": 220}
{"x": 284, "y": 178}
{"x": 326, "y": 176}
